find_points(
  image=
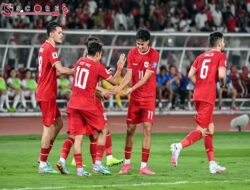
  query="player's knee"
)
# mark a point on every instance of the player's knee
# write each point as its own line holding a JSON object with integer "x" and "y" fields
{"x": 130, "y": 131}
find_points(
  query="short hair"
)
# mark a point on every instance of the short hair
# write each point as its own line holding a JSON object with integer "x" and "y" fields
{"x": 51, "y": 27}
{"x": 143, "y": 34}
{"x": 91, "y": 39}
{"x": 163, "y": 67}
{"x": 170, "y": 66}
{"x": 214, "y": 38}
{"x": 94, "y": 47}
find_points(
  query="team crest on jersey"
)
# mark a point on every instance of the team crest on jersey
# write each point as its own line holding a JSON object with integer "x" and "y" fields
{"x": 54, "y": 55}
{"x": 154, "y": 65}
{"x": 146, "y": 64}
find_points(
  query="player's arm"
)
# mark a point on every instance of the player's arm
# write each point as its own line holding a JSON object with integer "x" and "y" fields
{"x": 192, "y": 75}
{"x": 222, "y": 77}
{"x": 115, "y": 79}
{"x": 127, "y": 78}
{"x": 63, "y": 70}
{"x": 139, "y": 83}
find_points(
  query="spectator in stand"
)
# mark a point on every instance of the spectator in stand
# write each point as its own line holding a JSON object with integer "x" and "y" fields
{"x": 173, "y": 83}
{"x": 14, "y": 88}
{"x": 3, "y": 95}
{"x": 99, "y": 19}
{"x": 200, "y": 19}
{"x": 206, "y": 28}
{"x": 120, "y": 18}
{"x": 161, "y": 86}
{"x": 227, "y": 91}
{"x": 64, "y": 86}
{"x": 29, "y": 89}
{"x": 217, "y": 17}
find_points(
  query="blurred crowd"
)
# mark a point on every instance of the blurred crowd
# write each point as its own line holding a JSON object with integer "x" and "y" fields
{"x": 155, "y": 15}
{"x": 174, "y": 90}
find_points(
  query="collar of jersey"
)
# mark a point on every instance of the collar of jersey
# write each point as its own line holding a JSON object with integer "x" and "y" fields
{"x": 143, "y": 53}
{"x": 91, "y": 58}
{"x": 50, "y": 43}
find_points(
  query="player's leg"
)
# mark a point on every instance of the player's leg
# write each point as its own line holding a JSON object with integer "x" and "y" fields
{"x": 208, "y": 142}
{"x": 111, "y": 160}
{"x": 128, "y": 148}
{"x": 234, "y": 95}
{"x": 92, "y": 147}
{"x": 204, "y": 110}
{"x": 146, "y": 144}
{"x": 78, "y": 156}
{"x": 170, "y": 97}
{"x": 50, "y": 130}
{"x": 100, "y": 148}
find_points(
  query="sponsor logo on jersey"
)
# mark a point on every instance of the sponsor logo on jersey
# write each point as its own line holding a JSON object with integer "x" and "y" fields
{"x": 54, "y": 55}
{"x": 146, "y": 64}
{"x": 154, "y": 65}
{"x": 135, "y": 64}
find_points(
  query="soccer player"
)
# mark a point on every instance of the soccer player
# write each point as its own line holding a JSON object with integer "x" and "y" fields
{"x": 142, "y": 65}
{"x": 204, "y": 74}
{"x": 100, "y": 93}
{"x": 49, "y": 66}
{"x": 84, "y": 117}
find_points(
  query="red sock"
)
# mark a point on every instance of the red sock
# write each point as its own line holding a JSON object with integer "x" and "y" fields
{"x": 192, "y": 137}
{"x": 208, "y": 141}
{"x": 66, "y": 147}
{"x": 92, "y": 149}
{"x": 78, "y": 159}
{"x": 108, "y": 145}
{"x": 128, "y": 152}
{"x": 99, "y": 152}
{"x": 51, "y": 144}
{"x": 44, "y": 154}
{"x": 145, "y": 154}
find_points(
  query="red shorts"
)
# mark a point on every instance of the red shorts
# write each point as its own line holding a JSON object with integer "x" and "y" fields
{"x": 204, "y": 113}
{"x": 101, "y": 109}
{"x": 50, "y": 111}
{"x": 139, "y": 111}
{"x": 82, "y": 122}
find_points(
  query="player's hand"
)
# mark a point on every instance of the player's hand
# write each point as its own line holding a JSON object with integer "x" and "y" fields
{"x": 129, "y": 91}
{"x": 121, "y": 61}
{"x": 116, "y": 90}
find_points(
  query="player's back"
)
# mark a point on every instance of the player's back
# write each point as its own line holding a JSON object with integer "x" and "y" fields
{"x": 86, "y": 76}
{"x": 47, "y": 83}
{"x": 207, "y": 65}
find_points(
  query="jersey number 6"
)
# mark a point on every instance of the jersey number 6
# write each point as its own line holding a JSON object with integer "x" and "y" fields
{"x": 204, "y": 68}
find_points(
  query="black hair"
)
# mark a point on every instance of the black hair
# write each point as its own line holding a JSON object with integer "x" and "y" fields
{"x": 11, "y": 69}
{"x": 94, "y": 47}
{"x": 170, "y": 66}
{"x": 91, "y": 39}
{"x": 52, "y": 27}
{"x": 143, "y": 34}
{"x": 163, "y": 68}
{"x": 214, "y": 38}
{"x": 27, "y": 70}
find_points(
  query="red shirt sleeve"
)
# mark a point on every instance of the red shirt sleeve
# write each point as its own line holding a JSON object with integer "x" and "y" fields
{"x": 103, "y": 72}
{"x": 154, "y": 62}
{"x": 223, "y": 61}
{"x": 53, "y": 56}
{"x": 129, "y": 67}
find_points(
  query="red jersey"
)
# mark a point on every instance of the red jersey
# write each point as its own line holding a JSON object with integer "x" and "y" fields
{"x": 47, "y": 81}
{"x": 86, "y": 75}
{"x": 207, "y": 65}
{"x": 140, "y": 63}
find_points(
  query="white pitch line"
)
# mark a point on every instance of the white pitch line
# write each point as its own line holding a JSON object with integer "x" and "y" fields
{"x": 130, "y": 185}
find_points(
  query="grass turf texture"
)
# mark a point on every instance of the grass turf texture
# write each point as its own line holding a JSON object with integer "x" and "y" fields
{"x": 18, "y": 164}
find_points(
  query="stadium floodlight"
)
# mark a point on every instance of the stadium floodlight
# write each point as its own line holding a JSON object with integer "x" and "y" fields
{"x": 240, "y": 122}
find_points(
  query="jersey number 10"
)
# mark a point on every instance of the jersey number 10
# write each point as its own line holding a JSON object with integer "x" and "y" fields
{"x": 204, "y": 68}
{"x": 78, "y": 78}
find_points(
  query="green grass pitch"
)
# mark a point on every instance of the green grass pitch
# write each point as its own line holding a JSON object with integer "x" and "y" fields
{"x": 18, "y": 165}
